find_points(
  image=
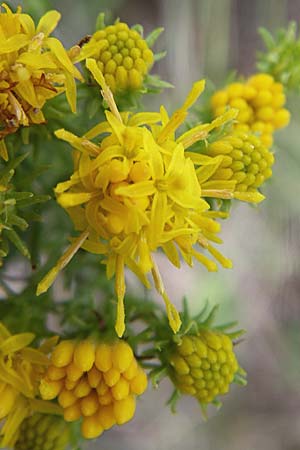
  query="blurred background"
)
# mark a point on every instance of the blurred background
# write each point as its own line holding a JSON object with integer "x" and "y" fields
{"x": 211, "y": 38}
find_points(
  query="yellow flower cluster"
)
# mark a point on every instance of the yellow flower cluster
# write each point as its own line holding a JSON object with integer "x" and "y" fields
{"x": 96, "y": 382}
{"x": 21, "y": 368}
{"x": 33, "y": 68}
{"x": 43, "y": 432}
{"x": 246, "y": 160}
{"x": 140, "y": 189}
{"x": 122, "y": 55}
{"x": 204, "y": 365}
{"x": 260, "y": 101}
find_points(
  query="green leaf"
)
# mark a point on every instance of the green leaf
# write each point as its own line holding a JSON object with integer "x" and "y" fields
{"x": 159, "y": 56}
{"x": 17, "y": 241}
{"x": 172, "y": 402}
{"x": 156, "y": 375}
{"x": 139, "y": 28}
{"x": 267, "y": 38}
{"x": 155, "y": 81}
{"x": 100, "y": 21}
{"x": 153, "y": 36}
{"x": 18, "y": 221}
{"x": 33, "y": 200}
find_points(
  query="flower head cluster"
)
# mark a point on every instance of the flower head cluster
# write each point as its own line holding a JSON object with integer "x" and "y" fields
{"x": 204, "y": 365}
{"x": 260, "y": 101}
{"x": 246, "y": 160}
{"x": 43, "y": 432}
{"x": 21, "y": 368}
{"x": 97, "y": 382}
{"x": 122, "y": 55}
{"x": 138, "y": 190}
{"x": 34, "y": 68}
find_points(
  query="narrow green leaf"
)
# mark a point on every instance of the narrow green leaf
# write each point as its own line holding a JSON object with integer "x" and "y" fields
{"x": 18, "y": 221}
{"x": 159, "y": 56}
{"x": 139, "y": 29}
{"x": 100, "y": 21}
{"x": 153, "y": 36}
{"x": 17, "y": 241}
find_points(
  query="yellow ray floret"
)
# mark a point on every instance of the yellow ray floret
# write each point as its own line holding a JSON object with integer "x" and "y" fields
{"x": 138, "y": 189}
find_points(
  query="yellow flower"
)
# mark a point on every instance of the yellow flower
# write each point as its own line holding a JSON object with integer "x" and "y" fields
{"x": 204, "y": 365}
{"x": 246, "y": 161}
{"x": 122, "y": 55}
{"x": 260, "y": 101}
{"x": 21, "y": 368}
{"x": 43, "y": 432}
{"x": 34, "y": 68}
{"x": 95, "y": 381}
{"x": 139, "y": 190}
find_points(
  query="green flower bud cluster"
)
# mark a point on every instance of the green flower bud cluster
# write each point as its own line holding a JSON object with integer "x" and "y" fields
{"x": 246, "y": 160}
{"x": 204, "y": 365}
{"x": 43, "y": 432}
{"x": 122, "y": 55}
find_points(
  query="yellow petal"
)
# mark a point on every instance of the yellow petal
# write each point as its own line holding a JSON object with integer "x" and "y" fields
{"x": 43, "y": 61}
{"x": 71, "y": 91}
{"x": 48, "y": 22}
{"x": 16, "y": 342}
{"x": 225, "y": 262}
{"x": 194, "y": 93}
{"x": 27, "y": 24}
{"x": 135, "y": 190}
{"x": 172, "y": 313}
{"x": 48, "y": 345}
{"x": 34, "y": 356}
{"x": 26, "y": 90}
{"x": 144, "y": 118}
{"x": 59, "y": 51}
{"x": 68, "y": 200}
{"x": 49, "y": 279}
{"x": 252, "y": 197}
{"x": 106, "y": 92}
{"x": 14, "y": 43}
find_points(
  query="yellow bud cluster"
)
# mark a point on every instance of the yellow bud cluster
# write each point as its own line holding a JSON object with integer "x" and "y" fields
{"x": 260, "y": 101}
{"x": 246, "y": 160}
{"x": 98, "y": 382}
{"x": 204, "y": 365}
{"x": 122, "y": 55}
{"x": 43, "y": 432}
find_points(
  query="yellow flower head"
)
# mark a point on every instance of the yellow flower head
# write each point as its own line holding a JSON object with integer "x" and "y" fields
{"x": 21, "y": 368}
{"x": 34, "y": 68}
{"x": 122, "y": 55}
{"x": 245, "y": 160}
{"x": 260, "y": 101}
{"x": 204, "y": 365}
{"x": 43, "y": 432}
{"x": 139, "y": 190}
{"x": 95, "y": 381}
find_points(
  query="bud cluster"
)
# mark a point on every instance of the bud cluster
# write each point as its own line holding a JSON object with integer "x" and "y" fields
{"x": 122, "y": 55}
{"x": 97, "y": 382}
{"x": 260, "y": 102}
{"x": 204, "y": 365}
{"x": 246, "y": 160}
{"x": 43, "y": 432}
